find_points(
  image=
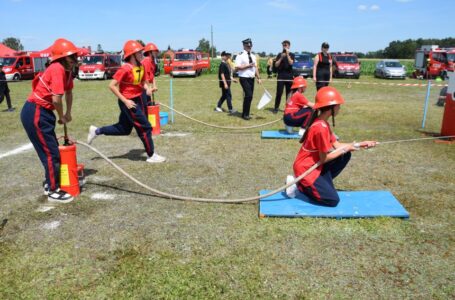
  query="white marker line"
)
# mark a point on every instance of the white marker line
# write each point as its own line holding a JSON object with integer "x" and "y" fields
{"x": 17, "y": 150}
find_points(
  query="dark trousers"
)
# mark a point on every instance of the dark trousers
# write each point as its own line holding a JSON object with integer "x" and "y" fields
{"x": 248, "y": 89}
{"x": 322, "y": 191}
{"x": 6, "y": 95}
{"x": 39, "y": 123}
{"x": 322, "y": 78}
{"x": 280, "y": 85}
{"x": 299, "y": 118}
{"x": 130, "y": 118}
{"x": 225, "y": 95}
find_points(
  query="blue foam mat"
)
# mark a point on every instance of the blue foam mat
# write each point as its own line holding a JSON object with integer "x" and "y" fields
{"x": 362, "y": 204}
{"x": 279, "y": 134}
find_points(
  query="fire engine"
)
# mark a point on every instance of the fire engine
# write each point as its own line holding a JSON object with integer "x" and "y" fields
{"x": 450, "y": 60}
{"x": 99, "y": 66}
{"x": 430, "y": 62}
{"x": 186, "y": 63}
{"x": 345, "y": 64}
{"x": 22, "y": 66}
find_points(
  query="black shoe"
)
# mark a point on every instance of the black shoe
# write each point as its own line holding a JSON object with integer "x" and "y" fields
{"x": 247, "y": 118}
{"x": 59, "y": 196}
{"x": 275, "y": 111}
{"x": 11, "y": 109}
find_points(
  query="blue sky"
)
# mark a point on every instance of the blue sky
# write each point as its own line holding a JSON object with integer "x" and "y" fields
{"x": 347, "y": 25}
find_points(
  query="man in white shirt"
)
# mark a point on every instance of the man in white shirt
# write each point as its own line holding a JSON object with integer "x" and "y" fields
{"x": 246, "y": 65}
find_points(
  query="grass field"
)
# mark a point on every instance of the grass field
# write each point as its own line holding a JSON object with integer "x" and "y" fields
{"x": 118, "y": 241}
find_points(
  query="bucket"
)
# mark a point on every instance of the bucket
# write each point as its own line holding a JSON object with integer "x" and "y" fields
{"x": 164, "y": 117}
{"x": 154, "y": 118}
{"x": 69, "y": 179}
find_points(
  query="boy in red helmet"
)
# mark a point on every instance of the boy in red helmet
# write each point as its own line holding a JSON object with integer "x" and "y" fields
{"x": 127, "y": 84}
{"x": 38, "y": 118}
{"x": 298, "y": 109}
{"x": 319, "y": 144}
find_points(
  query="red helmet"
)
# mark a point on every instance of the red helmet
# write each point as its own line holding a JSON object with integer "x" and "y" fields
{"x": 62, "y": 48}
{"x": 298, "y": 82}
{"x": 150, "y": 47}
{"x": 327, "y": 96}
{"x": 131, "y": 47}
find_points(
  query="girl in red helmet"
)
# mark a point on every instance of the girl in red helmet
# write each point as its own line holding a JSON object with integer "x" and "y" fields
{"x": 127, "y": 84}
{"x": 319, "y": 144}
{"x": 149, "y": 62}
{"x": 298, "y": 109}
{"x": 38, "y": 118}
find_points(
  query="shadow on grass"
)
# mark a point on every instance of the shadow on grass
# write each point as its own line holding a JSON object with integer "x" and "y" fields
{"x": 121, "y": 189}
{"x": 133, "y": 154}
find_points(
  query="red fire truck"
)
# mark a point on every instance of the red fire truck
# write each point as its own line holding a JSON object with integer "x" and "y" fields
{"x": 451, "y": 60}
{"x": 186, "y": 63}
{"x": 99, "y": 66}
{"x": 22, "y": 66}
{"x": 430, "y": 62}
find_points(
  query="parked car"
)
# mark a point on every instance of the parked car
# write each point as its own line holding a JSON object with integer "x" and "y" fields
{"x": 390, "y": 68}
{"x": 345, "y": 64}
{"x": 303, "y": 65}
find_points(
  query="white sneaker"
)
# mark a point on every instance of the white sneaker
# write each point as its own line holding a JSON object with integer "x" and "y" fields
{"x": 218, "y": 109}
{"x": 155, "y": 158}
{"x": 59, "y": 196}
{"x": 91, "y": 134}
{"x": 291, "y": 191}
{"x": 289, "y": 129}
{"x": 301, "y": 131}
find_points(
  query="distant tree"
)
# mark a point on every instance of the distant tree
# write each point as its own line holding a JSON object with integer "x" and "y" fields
{"x": 262, "y": 54}
{"x": 169, "y": 47}
{"x": 141, "y": 42}
{"x": 204, "y": 46}
{"x": 13, "y": 43}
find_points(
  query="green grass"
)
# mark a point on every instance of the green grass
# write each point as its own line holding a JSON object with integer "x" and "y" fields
{"x": 143, "y": 247}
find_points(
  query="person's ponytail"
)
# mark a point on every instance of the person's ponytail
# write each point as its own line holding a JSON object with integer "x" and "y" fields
{"x": 313, "y": 117}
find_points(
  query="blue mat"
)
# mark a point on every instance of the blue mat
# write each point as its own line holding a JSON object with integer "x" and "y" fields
{"x": 363, "y": 204}
{"x": 279, "y": 134}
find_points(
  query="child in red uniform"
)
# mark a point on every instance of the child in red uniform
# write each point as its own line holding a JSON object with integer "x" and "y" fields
{"x": 38, "y": 118}
{"x": 320, "y": 144}
{"x": 127, "y": 84}
{"x": 298, "y": 109}
{"x": 149, "y": 63}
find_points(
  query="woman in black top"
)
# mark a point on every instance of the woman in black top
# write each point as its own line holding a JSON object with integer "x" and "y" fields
{"x": 322, "y": 69}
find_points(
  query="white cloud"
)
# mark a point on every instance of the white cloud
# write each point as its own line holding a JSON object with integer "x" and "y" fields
{"x": 363, "y": 7}
{"x": 281, "y": 4}
{"x": 374, "y": 7}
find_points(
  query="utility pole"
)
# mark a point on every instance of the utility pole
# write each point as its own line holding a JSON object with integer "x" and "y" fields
{"x": 211, "y": 39}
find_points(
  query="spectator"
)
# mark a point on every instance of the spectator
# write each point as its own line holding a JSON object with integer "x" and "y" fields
{"x": 283, "y": 64}
{"x": 442, "y": 97}
{"x": 4, "y": 90}
{"x": 246, "y": 65}
{"x": 322, "y": 70}
{"x": 224, "y": 77}
{"x": 270, "y": 63}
